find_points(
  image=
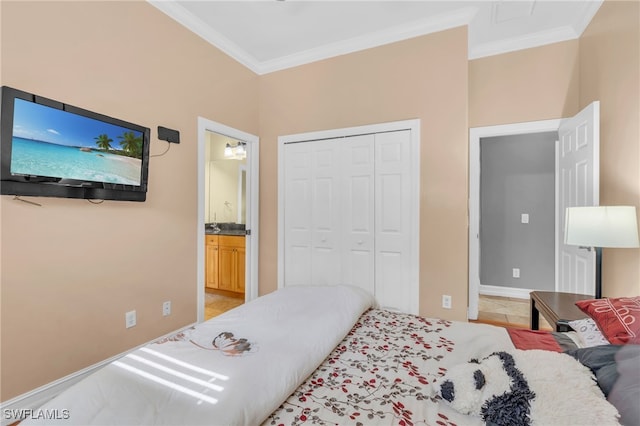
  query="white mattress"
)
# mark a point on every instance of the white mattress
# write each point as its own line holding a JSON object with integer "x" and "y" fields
{"x": 234, "y": 369}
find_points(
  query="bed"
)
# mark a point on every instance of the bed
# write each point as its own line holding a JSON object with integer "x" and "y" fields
{"x": 300, "y": 355}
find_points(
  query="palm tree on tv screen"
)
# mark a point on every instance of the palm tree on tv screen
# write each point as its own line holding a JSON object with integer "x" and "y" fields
{"x": 131, "y": 144}
{"x": 104, "y": 142}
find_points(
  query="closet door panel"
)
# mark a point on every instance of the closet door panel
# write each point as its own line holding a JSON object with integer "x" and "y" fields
{"x": 347, "y": 215}
{"x": 297, "y": 219}
{"x": 325, "y": 213}
{"x": 392, "y": 212}
{"x": 358, "y": 168}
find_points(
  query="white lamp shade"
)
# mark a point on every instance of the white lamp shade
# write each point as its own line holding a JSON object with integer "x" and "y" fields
{"x": 601, "y": 226}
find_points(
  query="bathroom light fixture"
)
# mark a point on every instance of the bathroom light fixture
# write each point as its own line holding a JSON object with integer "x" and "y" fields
{"x": 237, "y": 152}
{"x": 228, "y": 152}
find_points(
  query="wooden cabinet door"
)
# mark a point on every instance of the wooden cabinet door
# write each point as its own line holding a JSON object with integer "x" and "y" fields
{"x": 231, "y": 263}
{"x": 240, "y": 267}
{"x": 211, "y": 262}
{"x": 227, "y": 264}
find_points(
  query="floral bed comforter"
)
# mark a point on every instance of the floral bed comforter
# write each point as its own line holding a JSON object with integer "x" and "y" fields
{"x": 383, "y": 371}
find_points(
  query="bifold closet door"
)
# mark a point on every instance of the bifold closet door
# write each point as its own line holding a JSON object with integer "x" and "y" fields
{"x": 347, "y": 214}
{"x": 312, "y": 213}
{"x": 358, "y": 214}
{"x": 392, "y": 220}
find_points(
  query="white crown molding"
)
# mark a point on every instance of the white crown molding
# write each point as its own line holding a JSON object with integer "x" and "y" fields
{"x": 391, "y": 35}
{"x": 542, "y": 38}
{"x": 176, "y": 12}
{"x": 402, "y": 32}
{"x": 592, "y": 9}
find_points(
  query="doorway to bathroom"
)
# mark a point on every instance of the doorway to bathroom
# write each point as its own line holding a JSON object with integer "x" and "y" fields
{"x": 227, "y": 218}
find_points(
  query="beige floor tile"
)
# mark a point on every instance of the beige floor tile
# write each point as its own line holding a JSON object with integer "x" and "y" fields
{"x": 216, "y": 304}
{"x": 507, "y": 310}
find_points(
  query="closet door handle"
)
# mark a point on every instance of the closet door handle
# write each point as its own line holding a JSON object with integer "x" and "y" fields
{"x": 360, "y": 242}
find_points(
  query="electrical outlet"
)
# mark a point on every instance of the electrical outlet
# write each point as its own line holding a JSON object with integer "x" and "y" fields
{"x": 524, "y": 218}
{"x": 516, "y": 272}
{"x": 166, "y": 308}
{"x": 130, "y": 319}
{"x": 446, "y": 301}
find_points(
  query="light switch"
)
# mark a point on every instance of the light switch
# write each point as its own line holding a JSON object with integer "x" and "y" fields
{"x": 524, "y": 218}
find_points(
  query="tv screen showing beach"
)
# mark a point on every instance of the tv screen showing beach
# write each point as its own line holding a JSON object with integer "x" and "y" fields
{"x": 59, "y": 144}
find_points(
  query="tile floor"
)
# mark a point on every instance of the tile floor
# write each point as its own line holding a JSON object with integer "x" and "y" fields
{"x": 216, "y": 304}
{"x": 507, "y": 311}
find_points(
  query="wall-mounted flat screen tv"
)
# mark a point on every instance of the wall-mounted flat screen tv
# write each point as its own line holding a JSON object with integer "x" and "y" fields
{"x": 52, "y": 149}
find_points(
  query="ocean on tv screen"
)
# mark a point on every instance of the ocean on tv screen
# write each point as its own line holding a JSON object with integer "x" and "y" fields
{"x": 61, "y": 144}
{"x": 39, "y": 158}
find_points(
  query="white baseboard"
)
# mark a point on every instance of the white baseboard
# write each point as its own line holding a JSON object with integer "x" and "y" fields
{"x": 17, "y": 408}
{"x": 493, "y": 290}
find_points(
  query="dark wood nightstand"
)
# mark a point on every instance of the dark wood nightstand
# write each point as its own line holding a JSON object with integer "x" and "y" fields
{"x": 556, "y": 308}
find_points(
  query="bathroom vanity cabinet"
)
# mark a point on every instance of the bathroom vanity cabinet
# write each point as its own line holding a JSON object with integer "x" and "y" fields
{"x": 225, "y": 262}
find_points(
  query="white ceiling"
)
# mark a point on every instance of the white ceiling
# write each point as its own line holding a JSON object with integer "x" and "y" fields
{"x": 271, "y": 35}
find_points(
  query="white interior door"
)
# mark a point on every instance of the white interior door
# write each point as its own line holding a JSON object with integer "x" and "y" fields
{"x": 358, "y": 157}
{"x": 297, "y": 209}
{"x": 577, "y": 178}
{"x": 392, "y": 217}
{"x": 313, "y": 213}
{"x": 326, "y": 213}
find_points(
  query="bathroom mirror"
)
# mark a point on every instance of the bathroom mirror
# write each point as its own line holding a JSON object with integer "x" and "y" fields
{"x": 225, "y": 183}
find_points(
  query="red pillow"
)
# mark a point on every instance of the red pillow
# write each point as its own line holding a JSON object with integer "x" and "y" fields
{"x": 617, "y": 318}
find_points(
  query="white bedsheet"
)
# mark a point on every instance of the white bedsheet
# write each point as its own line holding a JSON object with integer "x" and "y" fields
{"x": 209, "y": 374}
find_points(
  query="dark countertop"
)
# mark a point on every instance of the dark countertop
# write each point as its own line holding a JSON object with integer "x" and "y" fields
{"x": 225, "y": 228}
{"x": 240, "y": 232}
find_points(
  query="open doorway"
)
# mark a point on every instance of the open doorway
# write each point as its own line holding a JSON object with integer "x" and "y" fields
{"x": 227, "y": 218}
{"x": 576, "y": 172}
{"x": 225, "y": 223}
{"x": 508, "y": 204}
{"x": 517, "y": 224}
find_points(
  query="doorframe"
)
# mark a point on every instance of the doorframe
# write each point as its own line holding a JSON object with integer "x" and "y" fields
{"x": 414, "y": 126}
{"x": 475, "y": 134}
{"x": 252, "y": 207}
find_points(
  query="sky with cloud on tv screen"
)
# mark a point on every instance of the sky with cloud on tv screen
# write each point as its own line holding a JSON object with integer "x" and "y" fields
{"x": 43, "y": 123}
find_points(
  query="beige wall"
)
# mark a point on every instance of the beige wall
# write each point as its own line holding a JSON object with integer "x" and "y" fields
{"x": 71, "y": 269}
{"x": 528, "y": 85}
{"x": 394, "y": 82}
{"x": 610, "y": 73}
{"x": 560, "y": 79}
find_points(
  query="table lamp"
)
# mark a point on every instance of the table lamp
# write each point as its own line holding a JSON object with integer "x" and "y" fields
{"x": 598, "y": 227}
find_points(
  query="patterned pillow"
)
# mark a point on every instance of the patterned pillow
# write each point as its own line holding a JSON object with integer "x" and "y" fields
{"x": 588, "y": 332}
{"x": 617, "y": 318}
